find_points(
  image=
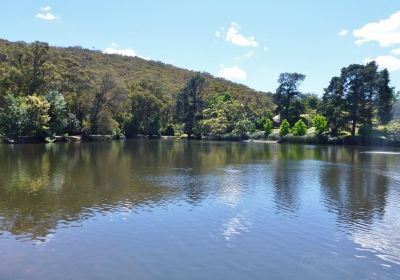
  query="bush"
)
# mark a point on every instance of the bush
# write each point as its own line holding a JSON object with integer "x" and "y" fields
{"x": 24, "y": 116}
{"x": 321, "y": 124}
{"x": 57, "y": 112}
{"x": 13, "y": 116}
{"x": 393, "y": 131}
{"x": 284, "y": 129}
{"x": 73, "y": 124}
{"x": 258, "y": 135}
{"x": 267, "y": 127}
{"x": 242, "y": 127}
{"x": 299, "y": 128}
{"x": 118, "y": 134}
{"x": 274, "y": 136}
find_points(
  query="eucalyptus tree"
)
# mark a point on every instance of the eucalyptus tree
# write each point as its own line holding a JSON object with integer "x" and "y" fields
{"x": 386, "y": 97}
{"x": 358, "y": 97}
{"x": 287, "y": 96}
{"x": 333, "y": 105}
{"x": 189, "y": 105}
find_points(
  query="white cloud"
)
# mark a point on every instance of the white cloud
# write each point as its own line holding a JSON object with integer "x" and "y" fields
{"x": 386, "y": 32}
{"x": 396, "y": 51}
{"x": 114, "y": 44}
{"x": 249, "y": 54}
{"x": 46, "y": 14}
{"x": 46, "y": 9}
{"x": 124, "y": 52}
{"x": 233, "y": 36}
{"x": 232, "y": 73}
{"x": 343, "y": 32}
{"x": 266, "y": 49}
{"x": 217, "y": 34}
{"x": 386, "y": 61}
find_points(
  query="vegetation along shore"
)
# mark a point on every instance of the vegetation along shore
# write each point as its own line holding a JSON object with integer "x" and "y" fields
{"x": 73, "y": 94}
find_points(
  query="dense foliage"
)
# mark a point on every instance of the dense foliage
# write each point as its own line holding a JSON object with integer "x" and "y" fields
{"x": 267, "y": 125}
{"x": 299, "y": 128}
{"x": 321, "y": 124}
{"x": 393, "y": 131}
{"x": 287, "y": 96}
{"x": 284, "y": 129}
{"x": 47, "y": 91}
{"x": 79, "y": 91}
{"x": 225, "y": 115}
{"x": 361, "y": 97}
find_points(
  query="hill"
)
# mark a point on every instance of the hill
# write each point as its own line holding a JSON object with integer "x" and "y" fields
{"x": 77, "y": 74}
{"x": 135, "y": 70}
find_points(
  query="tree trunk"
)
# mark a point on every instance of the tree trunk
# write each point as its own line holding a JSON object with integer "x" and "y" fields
{"x": 353, "y": 128}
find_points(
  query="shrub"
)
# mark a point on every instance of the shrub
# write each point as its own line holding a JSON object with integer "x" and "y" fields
{"x": 284, "y": 129}
{"x": 321, "y": 124}
{"x": 73, "y": 124}
{"x": 242, "y": 127}
{"x": 13, "y": 116}
{"x": 118, "y": 134}
{"x": 393, "y": 131}
{"x": 57, "y": 112}
{"x": 24, "y": 116}
{"x": 257, "y": 135}
{"x": 299, "y": 129}
{"x": 267, "y": 127}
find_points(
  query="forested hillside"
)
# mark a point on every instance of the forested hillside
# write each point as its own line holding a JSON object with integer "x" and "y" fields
{"x": 47, "y": 91}
{"x": 102, "y": 93}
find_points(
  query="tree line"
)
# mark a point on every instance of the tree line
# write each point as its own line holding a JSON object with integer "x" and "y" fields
{"x": 44, "y": 93}
{"x": 356, "y": 102}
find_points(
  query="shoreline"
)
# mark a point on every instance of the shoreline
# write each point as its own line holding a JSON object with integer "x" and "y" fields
{"x": 295, "y": 140}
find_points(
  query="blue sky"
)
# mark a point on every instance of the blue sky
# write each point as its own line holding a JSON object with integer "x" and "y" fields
{"x": 250, "y": 42}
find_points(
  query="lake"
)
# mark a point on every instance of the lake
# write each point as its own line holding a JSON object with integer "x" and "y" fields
{"x": 198, "y": 210}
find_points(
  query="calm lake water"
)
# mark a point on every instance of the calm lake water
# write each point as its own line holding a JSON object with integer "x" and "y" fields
{"x": 198, "y": 210}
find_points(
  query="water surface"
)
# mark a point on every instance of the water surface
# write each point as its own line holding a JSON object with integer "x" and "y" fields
{"x": 198, "y": 210}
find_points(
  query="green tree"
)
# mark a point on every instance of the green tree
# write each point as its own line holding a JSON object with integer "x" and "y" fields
{"x": 299, "y": 129}
{"x": 385, "y": 98}
{"x": 284, "y": 129}
{"x": 107, "y": 98}
{"x": 393, "y": 131}
{"x": 360, "y": 90}
{"x": 37, "y": 116}
{"x": 242, "y": 127}
{"x": 321, "y": 124}
{"x": 267, "y": 126}
{"x": 310, "y": 102}
{"x": 190, "y": 104}
{"x": 356, "y": 96}
{"x": 25, "y": 116}
{"x": 13, "y": 116}
{"x": 57, "y": 112}
{"x": 30, "y": 67}
{"x": 146, "y": 110}
{"x": 287, "y": 94}
{"x": 333, "y": 106}
{"x": 225, "y": 115}
{"x": 215, "y": 121}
